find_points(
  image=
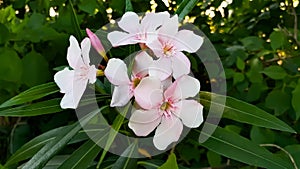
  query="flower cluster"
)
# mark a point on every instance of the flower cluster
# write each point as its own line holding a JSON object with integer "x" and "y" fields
{"x": 159, "y": 82}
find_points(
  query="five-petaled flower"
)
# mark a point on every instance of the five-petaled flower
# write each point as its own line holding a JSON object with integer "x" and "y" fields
{"x": 137, "y": 31}
{"x": 167, "y": 110}
{"x": 168, "y": 48}
{"x": 73, "y": 82}
{"x": 116, "y": 73}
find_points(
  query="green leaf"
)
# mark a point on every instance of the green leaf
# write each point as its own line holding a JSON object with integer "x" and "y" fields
{"x": 253, "y": 43}
{"x": 85, "y": 154}
{"x": 243, "y": 112}
{"x": 234, "y": 146}
{"x": 170, "y": 163}
{"x": 75, "y": 22}
{"x": 125, "y": 161}
{"x": 35, "y": 109}
{"x": 51, "y": 148}
{"x": 238, "y": 77}
{"x": 261, "y": 135}
{"x": 278, "y": 40}
{"x": 88, "y": 6}
{"x": 213, "y": 158}
{"x": 10, "y": 65}
{"x": 35, "y": 69}
{"x": 275, "y": 72}
{"x": 188, "y": 6}
{"x": 240, "y": 64}
{"x": 4, "y": 32}
{"x": 279, "y": 101}
{"x": 294, "y": 150}
{"x": 31, "y": 94}
{"x": 31, "y": 147}
{"x": 128, "y": 6}
{"x": 296, "y": 99}
{"x": 114, "y": 131}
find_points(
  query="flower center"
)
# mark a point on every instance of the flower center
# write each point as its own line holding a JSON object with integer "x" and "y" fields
{"x": 135, "y": 82}
{"x": 168, "y": 49}
{"x": 165, "y": 106}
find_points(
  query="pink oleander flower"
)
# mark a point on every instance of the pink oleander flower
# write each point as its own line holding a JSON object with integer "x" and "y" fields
{"x": 166, "y": 111}
{"x": 96, "y": 43}
{"x": 73, "y": 82}
{"x": 116, "y": 73}
{"x": 137, "y": 31}
{"x": 168, "y": 48}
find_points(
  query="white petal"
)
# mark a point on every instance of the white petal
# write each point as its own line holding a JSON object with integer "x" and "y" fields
{"x": 74, "y": 53}
{"x": 129, "y": 22}
{"x": 190, "y": 112}
{"x": 64, "y": 80}
{"x": 117, "y": 38}
{"x": 169, "y": 28}
{"x": 85, "y": 50}
{"x": 156, "y": 47}
{"x": 92, "y": 75}
{"x": 121, "y": 96}
{"x": 148, "y": 94}
{"x": 167, "y": 132}
{"x": 144, "y": 122}
{"x": 161, "y": 68}
{"x": 183, "y": 87}
{"x": 186, "y": 40}
{"x": 152, "y": 21}
{"x": 116, "y": 72}
{"x": 181, "y": 65}
{"x": 79, "y": 86}
{"x": 142, "y": 61}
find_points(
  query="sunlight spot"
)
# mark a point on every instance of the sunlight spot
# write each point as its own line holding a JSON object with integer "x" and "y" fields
{"x": 52, "y": 12}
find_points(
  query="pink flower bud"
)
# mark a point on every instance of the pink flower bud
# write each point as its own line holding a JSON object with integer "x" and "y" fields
{"x": 96, "y": 43}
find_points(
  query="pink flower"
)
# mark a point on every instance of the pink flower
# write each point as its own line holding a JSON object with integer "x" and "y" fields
{"x": 116, "y": 73}
{"x": 167, "y": 110}
{"x": 73, "y": 82}
{"x": 168, "y": 48}
{"x": 96, "y": 43}
{"x": 137, "y": 31}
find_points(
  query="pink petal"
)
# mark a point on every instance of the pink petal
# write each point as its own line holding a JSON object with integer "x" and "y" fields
{"x": 148, "y": 94}
{"x": 96, "y": 43}
{"x": 183, "y": 87}
{"x": 92, "y": 74}
{"x": 74, "y": 53}
{"x": 121, "y": 96}
{"x": 129, "y": 22}
{"x": 117, "y": 38}
{"x": 186, "y": 40}
{"x": 169, "y": 28}
{"x": 152, "y": 21}
{"x": 144, "y": 122}
{"x": 167, "y": 132}
{"x": 116, "y": 72}
{"x": 142, "y": 61}
{"x": 161, "y": 68}
{"x": 78, "y": 88}
{"x": 85, "y": 50}
{"x": 181, "y": 65}
{"x": 157, "y": 48}
{"x": 190, "y": 112}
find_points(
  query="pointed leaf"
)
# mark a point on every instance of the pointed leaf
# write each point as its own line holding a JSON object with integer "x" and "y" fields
{"x": 124, "y": 161}
{"x": 234, "y": 146}
{"x": 31, "y": 94}
{"x": 170, "y": 163}
{"x": 244, "y": 112}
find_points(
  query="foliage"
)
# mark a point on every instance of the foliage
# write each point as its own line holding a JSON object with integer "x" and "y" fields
{"x": 258, "y": 43}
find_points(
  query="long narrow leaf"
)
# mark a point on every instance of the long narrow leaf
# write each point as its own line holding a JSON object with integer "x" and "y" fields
{"x": 243, "y": 112}
{"x": 234, "y": 146}
{"x": 187, "y": 9}
{"x": 124, "y": 161}
{"x": 32, "y": 94}
{"x": 113, "y": 132}
{"x": 85, "y": 154}
{"x": 50, "y": 149}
